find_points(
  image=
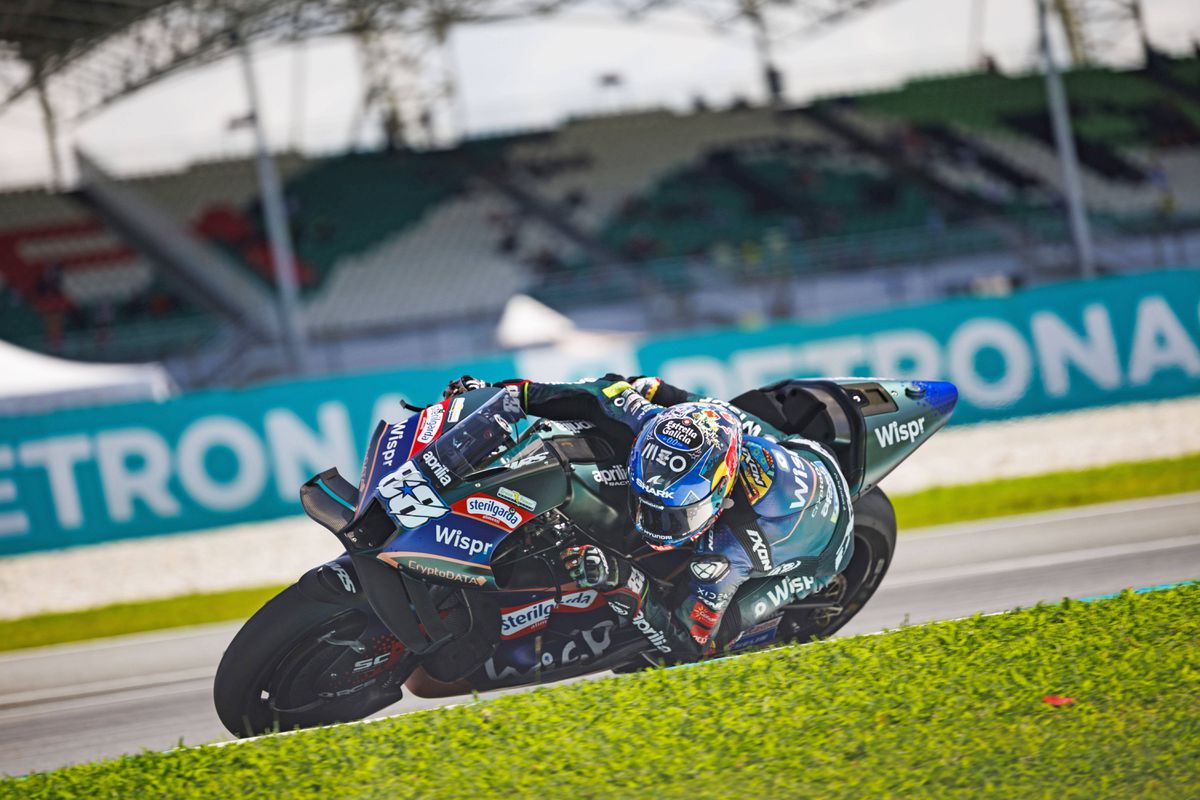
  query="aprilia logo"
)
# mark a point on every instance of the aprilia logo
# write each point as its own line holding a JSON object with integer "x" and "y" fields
{"x": 439, "y": 470}
{"x": 613, "y": 476}
{"x": 656, "y": 637}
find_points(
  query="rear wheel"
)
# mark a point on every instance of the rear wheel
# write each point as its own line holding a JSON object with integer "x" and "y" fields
{"x": 298, "y": 663}
{"x": 821, "y": 614}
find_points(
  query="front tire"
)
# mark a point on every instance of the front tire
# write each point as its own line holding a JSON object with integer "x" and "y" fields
{"x": 298, "y": 663}
{"x": 874, "y": 546}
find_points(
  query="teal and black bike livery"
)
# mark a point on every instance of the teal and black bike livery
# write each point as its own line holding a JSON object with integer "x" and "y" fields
{"x": 451, "y": 580}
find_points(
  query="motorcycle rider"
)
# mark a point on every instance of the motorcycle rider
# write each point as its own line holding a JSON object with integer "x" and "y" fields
{"x": 756, "y": 502}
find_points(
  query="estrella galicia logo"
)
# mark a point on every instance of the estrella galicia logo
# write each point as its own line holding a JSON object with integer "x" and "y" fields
{"x": 679, "y": 434}
{"x": 709, "y": 569}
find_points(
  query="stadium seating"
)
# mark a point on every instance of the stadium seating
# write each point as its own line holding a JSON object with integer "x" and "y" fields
{"x": 70, "y": 286}
{"x": 1136, "y": 139}
{"x": 611, "y": 206}
{"x": 442, "y": 269}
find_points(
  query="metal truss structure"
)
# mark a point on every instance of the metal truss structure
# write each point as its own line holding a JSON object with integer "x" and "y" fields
{"x": 79, "y": 56}
{"x": 85, "y": 54}
{"x": 1095, "y": 27}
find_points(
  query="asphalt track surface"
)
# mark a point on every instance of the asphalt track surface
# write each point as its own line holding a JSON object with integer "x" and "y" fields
{"x": 75, "y": 703}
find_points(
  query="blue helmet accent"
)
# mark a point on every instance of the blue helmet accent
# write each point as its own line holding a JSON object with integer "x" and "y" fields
{"x": 681, "y": 469}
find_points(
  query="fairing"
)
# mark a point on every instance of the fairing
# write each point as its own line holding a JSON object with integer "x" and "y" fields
{"x": 482, "y": 498}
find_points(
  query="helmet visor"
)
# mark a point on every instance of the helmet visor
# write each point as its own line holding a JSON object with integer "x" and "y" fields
{"x": 670, "y": 525}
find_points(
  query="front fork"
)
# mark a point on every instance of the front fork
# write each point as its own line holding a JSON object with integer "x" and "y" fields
{"x": 376, "y": 651}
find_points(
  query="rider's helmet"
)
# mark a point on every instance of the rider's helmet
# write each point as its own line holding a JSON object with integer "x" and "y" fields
{"x": 681, "y": 470}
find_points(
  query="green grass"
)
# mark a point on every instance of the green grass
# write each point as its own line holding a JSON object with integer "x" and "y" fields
{"x": 1044, "y": 492}
{"x": 932, "y": 507}
{"x": 950, "y": 710}
{"x": 123, "y": 618}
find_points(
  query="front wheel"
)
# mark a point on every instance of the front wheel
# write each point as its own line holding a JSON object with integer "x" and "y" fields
{"x": 832, "y": 607}
{"x": 299, "y": 663}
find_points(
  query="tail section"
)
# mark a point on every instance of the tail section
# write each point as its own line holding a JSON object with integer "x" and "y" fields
{"x": 900, "y": 416}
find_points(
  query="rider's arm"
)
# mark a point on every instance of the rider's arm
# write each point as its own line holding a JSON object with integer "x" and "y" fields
{"x": 682, "y": 623}
{"x": 609, "y": 402}
{"x": 666, "y": 394}
{"x": 682, "y": 630}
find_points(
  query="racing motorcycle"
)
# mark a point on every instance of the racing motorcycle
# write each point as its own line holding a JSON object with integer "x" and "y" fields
{"x": 451, "y": 583}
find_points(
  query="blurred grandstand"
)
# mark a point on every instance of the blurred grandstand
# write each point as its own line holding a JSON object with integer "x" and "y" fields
{"x": 632, "y": 221}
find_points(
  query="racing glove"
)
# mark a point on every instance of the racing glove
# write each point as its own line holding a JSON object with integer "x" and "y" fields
{"x": 622, "y": 584}
{"x": 463, "y": 385}
{"x": 591, "y": 567}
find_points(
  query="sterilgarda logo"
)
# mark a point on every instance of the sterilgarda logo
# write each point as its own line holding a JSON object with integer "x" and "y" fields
{"x": 492, "y": 511}
{"x": 896, "y": 432}
{"x": 431, "y": 423}
{"x": 519, "y": 620}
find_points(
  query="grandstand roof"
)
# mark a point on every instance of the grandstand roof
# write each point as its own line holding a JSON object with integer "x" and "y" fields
{"x": 106, "y": 49}
{"x": 92, "y": 52}
{"x": 43, "y": 30}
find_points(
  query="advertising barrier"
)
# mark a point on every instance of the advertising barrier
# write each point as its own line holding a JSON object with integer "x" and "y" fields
{"x": 200, "y": 460}
{"x": 1054, "y": 348}
{"x": 224, "y": 457}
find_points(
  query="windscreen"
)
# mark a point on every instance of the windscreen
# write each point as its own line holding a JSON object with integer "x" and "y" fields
{"x": 472, "y": 442}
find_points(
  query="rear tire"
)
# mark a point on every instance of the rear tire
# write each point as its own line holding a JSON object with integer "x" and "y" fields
{"x": 280, "y": 672}
{"x": 874, "y": 546}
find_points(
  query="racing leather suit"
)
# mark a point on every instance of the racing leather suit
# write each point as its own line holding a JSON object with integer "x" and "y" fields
{"x": 790, "y": 529}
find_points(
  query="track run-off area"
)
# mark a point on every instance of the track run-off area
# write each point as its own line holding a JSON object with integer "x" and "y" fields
{"x": 82, "y": 702}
